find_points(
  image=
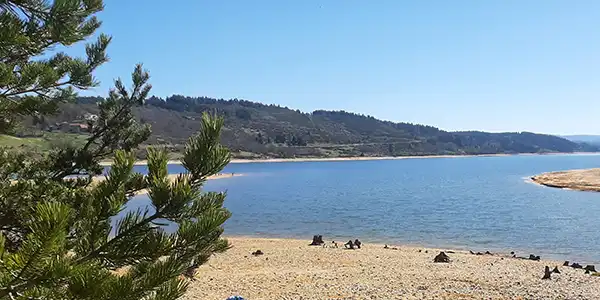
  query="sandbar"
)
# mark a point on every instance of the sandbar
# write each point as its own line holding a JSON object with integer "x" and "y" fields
{"x": 581, "y": 180}
{"x": 172, "y": 178}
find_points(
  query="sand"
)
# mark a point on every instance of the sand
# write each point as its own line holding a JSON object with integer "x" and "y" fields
{"x": 290, "y": 269}
{"x": 172, "y": 177}
{"x": 317, "y": 159}
{"x": 108, "y": 163}
{"x": 582, "y": 180}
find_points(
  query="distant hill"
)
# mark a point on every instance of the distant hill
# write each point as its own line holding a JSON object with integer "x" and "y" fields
{"x": 257, "y": 130}
{"x": 590, "y": 139}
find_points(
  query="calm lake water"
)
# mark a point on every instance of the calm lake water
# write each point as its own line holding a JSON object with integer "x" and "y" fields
{"x": 478, "y": 203}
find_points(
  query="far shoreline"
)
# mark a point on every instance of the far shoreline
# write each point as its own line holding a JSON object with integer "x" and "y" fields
{"x": 362, "y": 158}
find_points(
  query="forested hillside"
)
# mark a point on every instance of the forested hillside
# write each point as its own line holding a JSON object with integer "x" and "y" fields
{"x": 257, "y": 130}
{"x": 590, "y": 139}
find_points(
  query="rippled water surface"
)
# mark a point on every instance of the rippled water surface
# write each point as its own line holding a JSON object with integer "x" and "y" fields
{"x": 477, "y": 203}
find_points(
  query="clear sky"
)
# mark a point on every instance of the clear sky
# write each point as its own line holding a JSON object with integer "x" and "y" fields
{"x": 510, "y": 65}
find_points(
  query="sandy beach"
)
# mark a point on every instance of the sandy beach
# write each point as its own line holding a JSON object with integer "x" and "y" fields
{"x": 172, "y": 177}
{"x": 290, "y": 269}
{"x": 582, "y": 180}
{"x": 317, "y": 159}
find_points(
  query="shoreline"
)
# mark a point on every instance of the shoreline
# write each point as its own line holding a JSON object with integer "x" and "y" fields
{"x": 546, "y": 255}
{"x": 363, "y": 158}
{"x": 587, "y": 180}
{"x": 173, "y": 177}
{"x": 291, "y": 269}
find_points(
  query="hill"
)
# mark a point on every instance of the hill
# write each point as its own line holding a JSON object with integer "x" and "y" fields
{"x": 255, "y": 130}
{"x": 590, "y": 139}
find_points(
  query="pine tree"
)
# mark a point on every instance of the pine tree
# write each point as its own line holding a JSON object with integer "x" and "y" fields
{"x": 61, "y": 233}
{"x": 28, "y": 30}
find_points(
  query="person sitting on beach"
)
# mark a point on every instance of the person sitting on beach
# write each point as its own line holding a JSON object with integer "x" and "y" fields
{"x": 332, "y": 245}
{"x": 320, "y": 239}
{"x": 317, "y": 240}
{"x": 349, "y": 245}
{"x": 357, "y": 243}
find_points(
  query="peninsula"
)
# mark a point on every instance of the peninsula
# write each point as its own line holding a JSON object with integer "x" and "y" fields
{"x": 582, "y": 180}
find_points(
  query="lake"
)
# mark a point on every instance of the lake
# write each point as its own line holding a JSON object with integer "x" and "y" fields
{"x": 478, "y": 203}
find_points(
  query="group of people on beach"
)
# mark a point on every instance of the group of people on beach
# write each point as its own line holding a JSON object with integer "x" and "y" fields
{"x": 318, "y": 241}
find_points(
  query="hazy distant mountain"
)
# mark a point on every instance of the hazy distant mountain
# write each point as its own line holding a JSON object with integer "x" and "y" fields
{"x": 590, "y": 139}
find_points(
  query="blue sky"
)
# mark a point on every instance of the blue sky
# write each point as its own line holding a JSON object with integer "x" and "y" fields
{"x": 531, "y": 65}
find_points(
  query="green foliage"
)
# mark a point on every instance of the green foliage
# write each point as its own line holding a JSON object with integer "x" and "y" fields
{"x": 62, "y": 236}
{"x": 34, "y": 85}
{"x": 56, "y": 237}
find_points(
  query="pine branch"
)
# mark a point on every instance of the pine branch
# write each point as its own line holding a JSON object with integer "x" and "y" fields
{"x": 25, "y": 9}
{"x": 126, "y": 103}
{"x": 66, "y": 253}
{"x": 37, "y": 88}
{"x": 98, "y": 252}
{"x": 71, "y": 171}
{"x": 103, "y": 129}
{"x": 46, "y": 229}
